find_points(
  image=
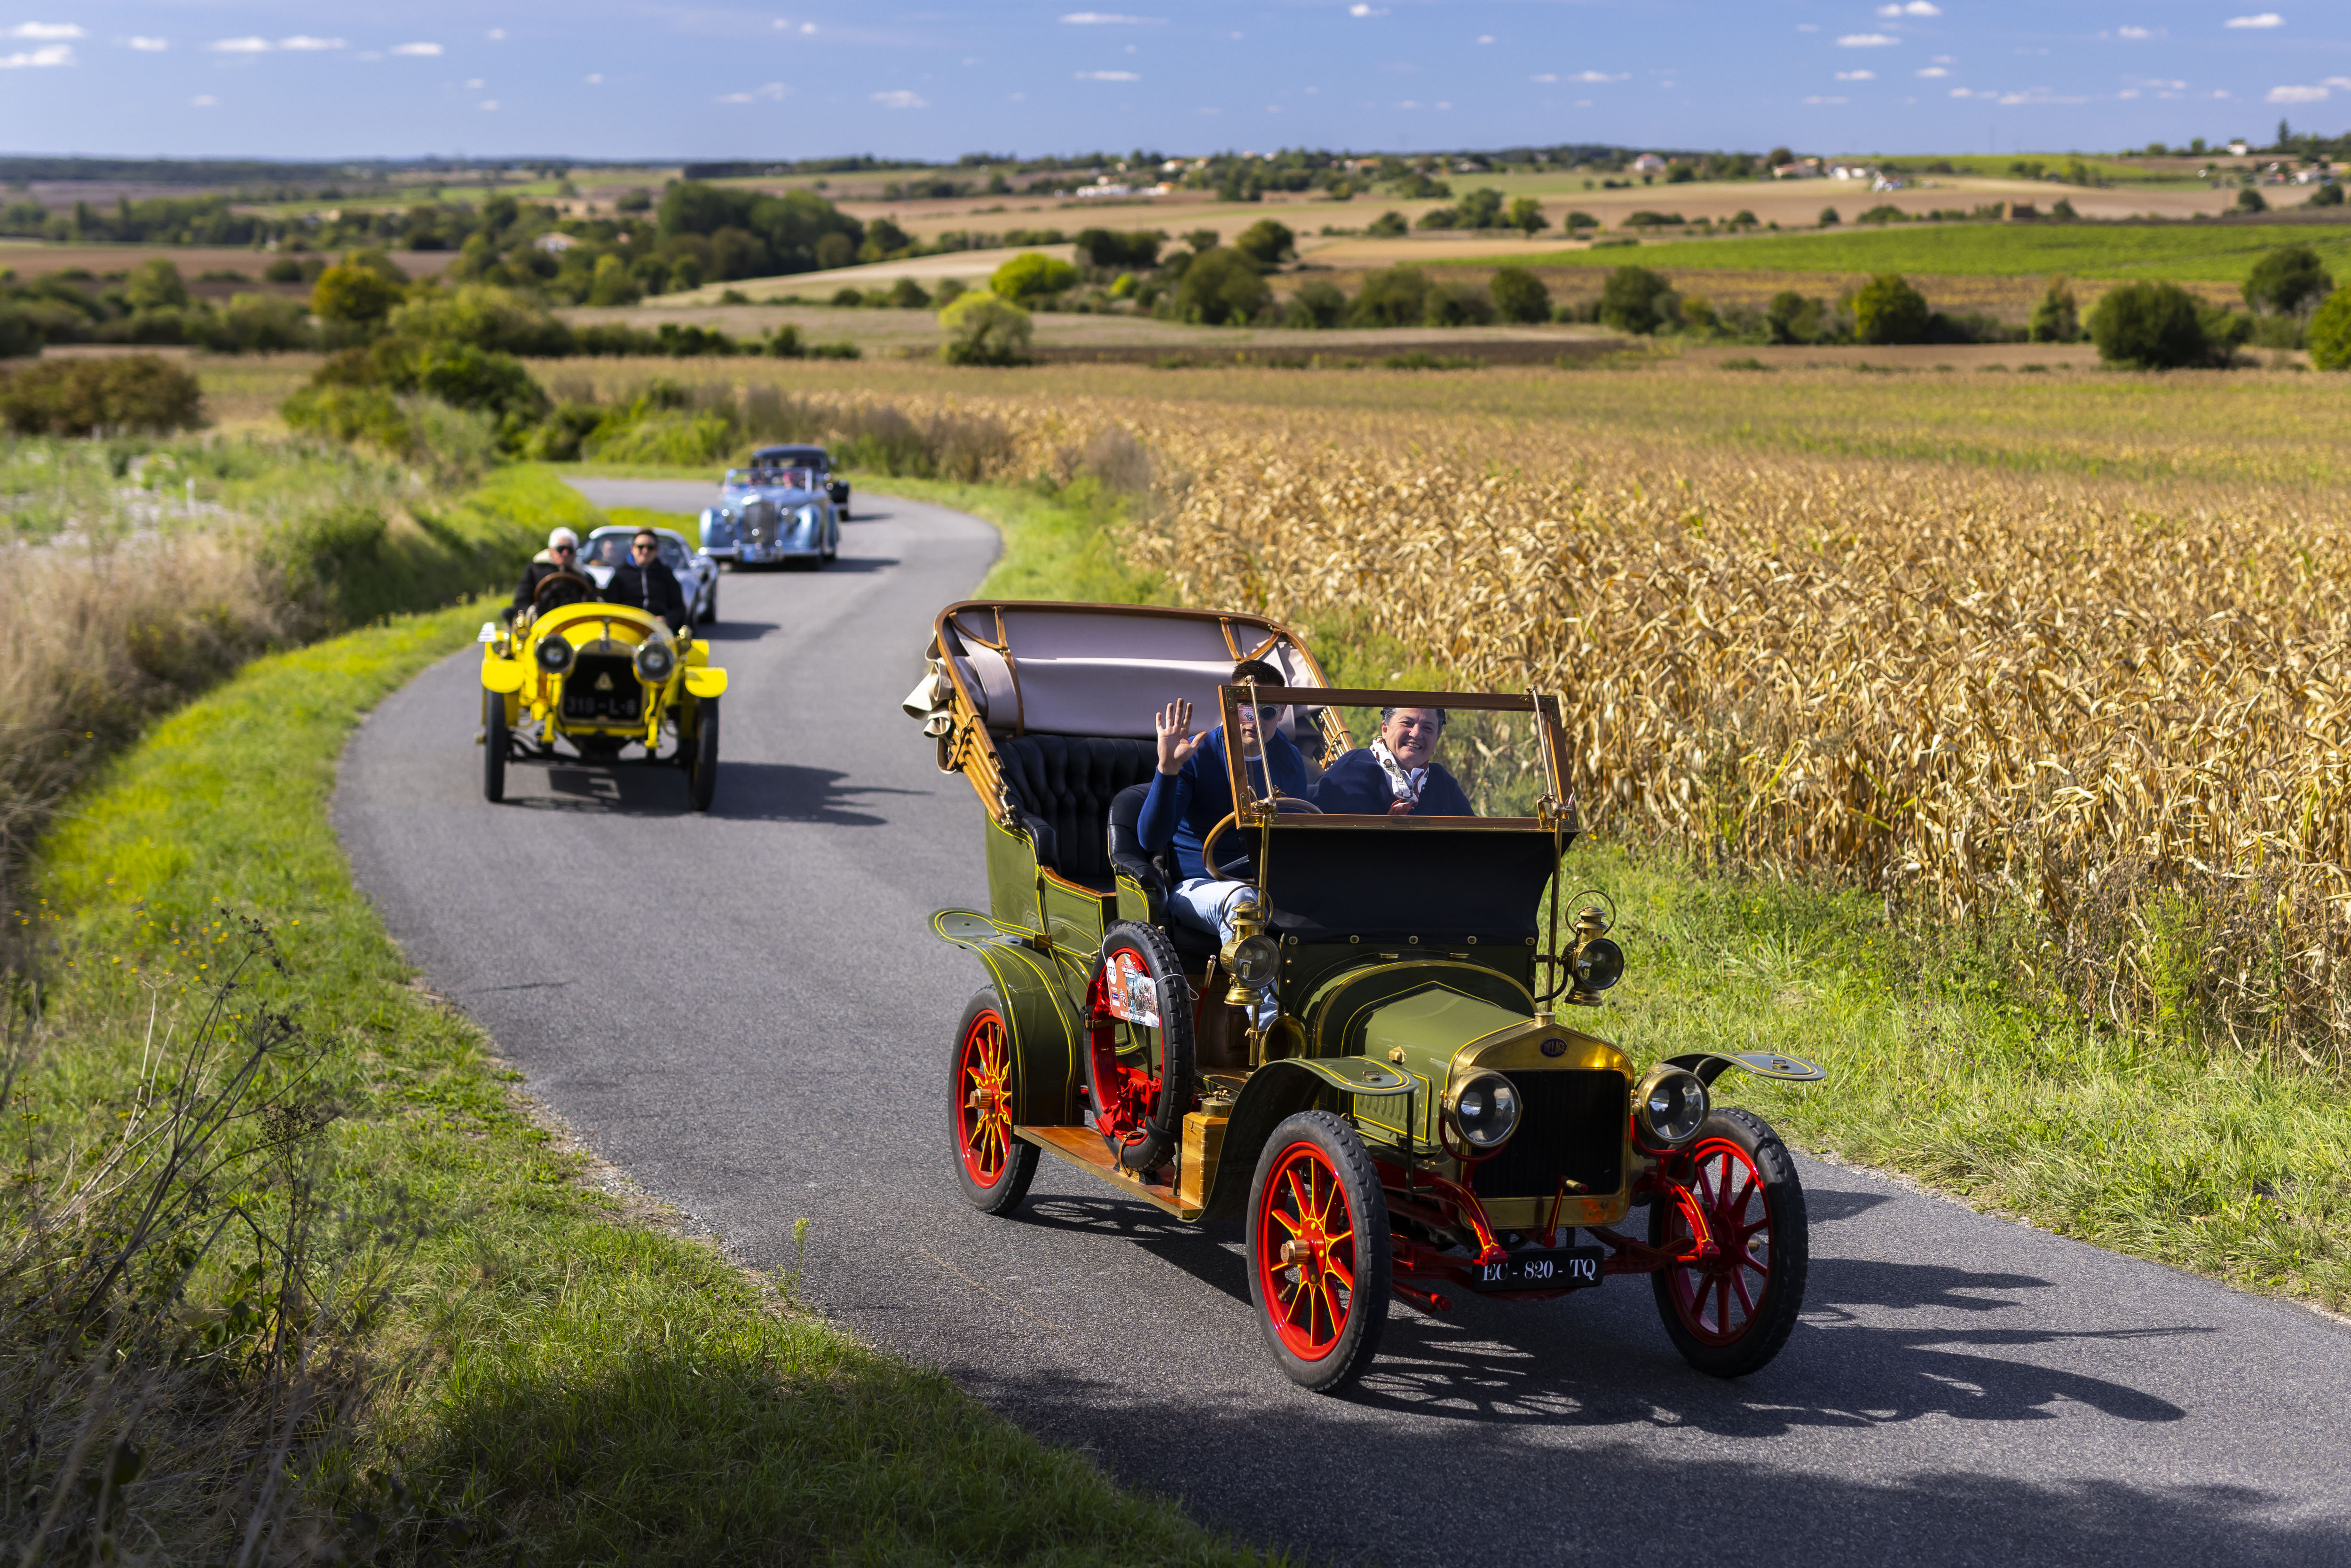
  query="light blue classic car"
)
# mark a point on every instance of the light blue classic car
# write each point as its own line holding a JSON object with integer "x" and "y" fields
{"x": 770, "y": 515}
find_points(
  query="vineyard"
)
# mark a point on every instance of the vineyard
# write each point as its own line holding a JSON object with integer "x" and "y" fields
{"x": 2113, "y": 710}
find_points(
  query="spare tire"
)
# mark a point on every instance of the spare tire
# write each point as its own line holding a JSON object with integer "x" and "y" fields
{"x": 1140, "y": 1069}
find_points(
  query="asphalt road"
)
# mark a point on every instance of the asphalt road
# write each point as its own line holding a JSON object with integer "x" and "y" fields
{"x": 744, "y": 1011}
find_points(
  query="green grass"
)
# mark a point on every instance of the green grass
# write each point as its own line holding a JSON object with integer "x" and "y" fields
{"x": 2211, "y": 252}
{"x": 575, "y": 1384}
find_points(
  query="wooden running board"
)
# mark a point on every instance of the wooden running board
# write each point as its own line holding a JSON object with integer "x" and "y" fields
{"x": 1084, "y": 1147}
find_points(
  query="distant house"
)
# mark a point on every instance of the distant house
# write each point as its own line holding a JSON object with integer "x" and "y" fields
{"x": 2237, "y": 147}
{"x": 1801, "y": 169}
{"x": 1648, "y": 163}
{"x": 553, "y": 244}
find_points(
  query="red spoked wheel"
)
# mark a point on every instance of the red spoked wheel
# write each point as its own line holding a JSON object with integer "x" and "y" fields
{"x": 1139, "y": 1051}
{"x": 994, "y": 1166}
{"x": 1734, "y": 1215}
{"x": 1319, "y": 1251}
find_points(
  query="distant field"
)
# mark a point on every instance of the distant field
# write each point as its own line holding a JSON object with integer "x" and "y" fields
{"x": 2208, "y": 252}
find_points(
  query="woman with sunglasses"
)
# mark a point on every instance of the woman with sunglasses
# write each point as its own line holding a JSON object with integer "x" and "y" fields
{"x": 1397, "y": 775}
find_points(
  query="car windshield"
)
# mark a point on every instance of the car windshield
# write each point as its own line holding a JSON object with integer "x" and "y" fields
{"x": 1425, "y": 762}
{"x": 604, "y": 549}
{"x": 784, "y": 478}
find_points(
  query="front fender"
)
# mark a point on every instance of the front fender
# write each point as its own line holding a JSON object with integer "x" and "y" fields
{"x": 1274, "y": 1093}
{"x": 716, "y": 529}
{"x": 704, "y": 681}
{"x": 1710, "y": 1065}
{"x": 506, "y": 675}
{"x": 1044, "y": 1026}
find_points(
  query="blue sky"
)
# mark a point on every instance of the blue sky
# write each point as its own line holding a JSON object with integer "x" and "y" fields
{"x": 603, "y": 79}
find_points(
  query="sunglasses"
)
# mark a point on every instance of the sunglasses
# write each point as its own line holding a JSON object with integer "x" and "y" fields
{"x": 563, "y": 550}
{"x": 640, "y": 550}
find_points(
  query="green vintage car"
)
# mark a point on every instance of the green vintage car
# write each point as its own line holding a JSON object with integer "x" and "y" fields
{"x": 1377, "y": 1068}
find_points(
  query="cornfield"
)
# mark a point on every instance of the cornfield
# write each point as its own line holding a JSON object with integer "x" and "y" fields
{"x": 2115, "y": 710}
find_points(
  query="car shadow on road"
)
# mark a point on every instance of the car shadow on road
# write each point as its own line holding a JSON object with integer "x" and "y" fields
{"x": 735, "y": 631}
{"x": 848, "y": 563}
{"x": 747, "y": 792}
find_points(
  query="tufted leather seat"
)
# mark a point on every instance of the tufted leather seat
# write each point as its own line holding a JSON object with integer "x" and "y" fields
{"x": 1063, "y": 785}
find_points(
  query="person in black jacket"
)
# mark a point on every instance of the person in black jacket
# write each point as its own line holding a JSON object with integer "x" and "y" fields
{"x": 644, "y": 583}
{"x": 1397, "y": 775}
{"x": 559, "y": 559}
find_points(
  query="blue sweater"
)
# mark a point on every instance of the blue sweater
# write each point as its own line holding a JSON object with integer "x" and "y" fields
{"x": 1357, "y": 786}
{"x": 1184, "y": 805}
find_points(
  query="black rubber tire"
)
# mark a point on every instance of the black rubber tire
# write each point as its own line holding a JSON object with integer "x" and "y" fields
{"x": 710, "y": 605}
{"x": 1178, "y": 1053}
{"x": 1368, "y": 1212}
{"x": 1004, "y": 1193}
{"x": 494, "y": 745}
{"x": 702, "y": 777}
{"x": 1791, "y": 1251}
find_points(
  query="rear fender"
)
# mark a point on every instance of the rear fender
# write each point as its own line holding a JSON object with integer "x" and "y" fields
{"x": 1044, "y": 1026}
{"x": 1274, "y": 1093}
{"x": 1710, "y": 1065}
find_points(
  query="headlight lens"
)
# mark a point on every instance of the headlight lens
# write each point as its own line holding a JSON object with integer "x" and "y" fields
{"x": 654, "y": 661}
{"x": 1255, "y": 962}
{"x": 555, "y": 654}
{"x": 1486, "y": 1110}
{"x": 1599, "y": 964}
{"x": 1672, "y": 1107}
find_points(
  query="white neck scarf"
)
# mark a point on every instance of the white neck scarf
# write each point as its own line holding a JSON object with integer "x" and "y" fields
{"x": 1404, "y": 783}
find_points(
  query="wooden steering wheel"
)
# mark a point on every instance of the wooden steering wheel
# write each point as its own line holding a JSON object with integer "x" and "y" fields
{"x": 584, "y": 589}
{"x": 1290, "y": 804}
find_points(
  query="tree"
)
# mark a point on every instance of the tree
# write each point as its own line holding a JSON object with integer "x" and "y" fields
{"x": 463, "y": 376}
{"x": 1482, "y": 209}
{"x": 833, "y": 251}
{"x": 155, "y": 285}
{"x": 2250, "y": 201}
{"x": 1777, "y": 156}
{"x": 1266, "y": 243}
{"x": 1032, "y": 275}
{"x": 984, "y": 329}
{"x": 1388, "y": 226}
{"x": 1635, "y": 300}
{"x": 2330, "y": 332}
{"x": 1889, "y": 310}
{"x": 1828, "y": 216}
{"x": 1520, "y": 295}
{"x": 1393, "y": 296}
{"x": 1527, "y": 215}
{"x": 908, "y": 295}
{"x": 354, "y": 295}
{"x": 1113, "y": 251}
{"x": 1458, "y": 305}
{"x": 2328, "y": 195}
{"x": 2056, "y": 320}
{"x": 2287, "y": 277}
{"x": 611, "y": 283}
{"x": 1318, "y": 303}
{"x": 2153, "y": 325}
{"x": 1221, "y": 286}
{"x": 1581, "y": 221}
{"x": 1791, "y": 317}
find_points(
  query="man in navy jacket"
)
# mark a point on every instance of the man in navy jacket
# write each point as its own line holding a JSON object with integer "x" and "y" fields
{"x": 1397, "y": 774}
{"x": 1192, "y": 792}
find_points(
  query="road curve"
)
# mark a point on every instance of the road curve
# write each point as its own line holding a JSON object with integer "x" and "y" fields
{"x": 744, "y": 1011}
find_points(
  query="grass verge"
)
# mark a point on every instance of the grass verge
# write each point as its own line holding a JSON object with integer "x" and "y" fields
{"x": 1948, "y": 1062}
{"x": 553, "y": 1378}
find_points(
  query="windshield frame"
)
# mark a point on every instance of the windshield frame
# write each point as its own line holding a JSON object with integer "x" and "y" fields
{"x": 1557, "y": 808}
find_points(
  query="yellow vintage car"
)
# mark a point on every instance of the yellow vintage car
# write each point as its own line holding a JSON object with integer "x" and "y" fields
{"x": 602, "y": 677}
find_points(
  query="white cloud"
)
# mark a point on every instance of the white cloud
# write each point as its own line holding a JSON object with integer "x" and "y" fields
{"x": 1817, "y": 99}
{"x": 1856, "y": 75}
{"x": 2134, "y": 33}
{"x": 596, "y": 80}
{"x": 2265, "y": 19}
{"x": 1914, "y": 8}
{"x": 1808, "y": 26}
{"x": 1547, "y": 76}
{"x": 1933, "y": 71}
{"x": 476, "y": 85}
{"x": 1112, "y": 19}
{"x": 899, "y": 98}
{"x": 1866, "y": 41}
{"x": 495, "y": 35}
{"x": 149, "y": 45}
{"x": 204, "y": 100}
{"x": 1486, "y": 37}
{"x": 427, "y": 50}
{"x": 2343, "y": 82}
{"x": 1947, "y": 59}
{"x": 1962, "y": 92}
{"x": 1599, "y": 76}
{"x": 35, "y": 59}
{"x": 774, "y": 91}
{"x": 2127, "y": 92}
{"x": 2297, "y": 95}
{"x": 239, "y": 46}
{"x": 301, "y": 42}
{"x": 1360, "y": 9}
{"x": 46, "y": 30}
{"x": 487, "y": 104}
{"x": 1107, "y": 76}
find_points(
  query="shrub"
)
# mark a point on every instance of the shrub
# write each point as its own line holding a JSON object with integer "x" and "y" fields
{"x": 1527, "y": 215}
{"x": 2250, "y": 201}
{"x": 350, "y": 413}
{"x": 1520, "y": 295}
{"x": 1266, "y": 243}
{"x": 1458, "y": 305}
{"x": 1319, "y": 303}
{"x": 2325, "y": 197}
{"x": 1581, "y": 221}
{"x": 463, "y": 376}
{"x": 1222, "y": 286}
{"x": 2056, "y": 320}
{"x": 1032, "y": 275}
{"x": 260, "y": 323}
{"x": 20, "y": 333}
{"x": 1388, "y": 226}
{"x": 156, "y": 283}
{"x": 610, "y": 283}
{"x": 88, "y": 397}
{"x": 1889, "y": 310}
{"x": 2330, "y": 332}
{"x": 1828, "y": 216}
{"x": 907, "y": 295}
{"x": 1393, "y": 296}
{"x": 1791, "y": 317}
{"x": 2287, "y": 277}
{"x": 1645, "y": 219}
{"x": 356, "y": 295}
{"x": 1635, "y": 300}
{"x": 284, "y": 269}
{"x": 2153, "y": 326}
{"x": 1884, "y": 213}
{"x": 484, "y": 316}
{"x": 1440, "y": 218}
{"x": 985, "y": 329}
{"x": 849, "y": 298}
{"x": 1135, "y": 250}
{"x": 833, "y": 251}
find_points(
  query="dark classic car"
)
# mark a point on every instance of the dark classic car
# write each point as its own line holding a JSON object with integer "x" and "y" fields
{"x": 1377, "y": 1066}
{"x": 814, "y": 458}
